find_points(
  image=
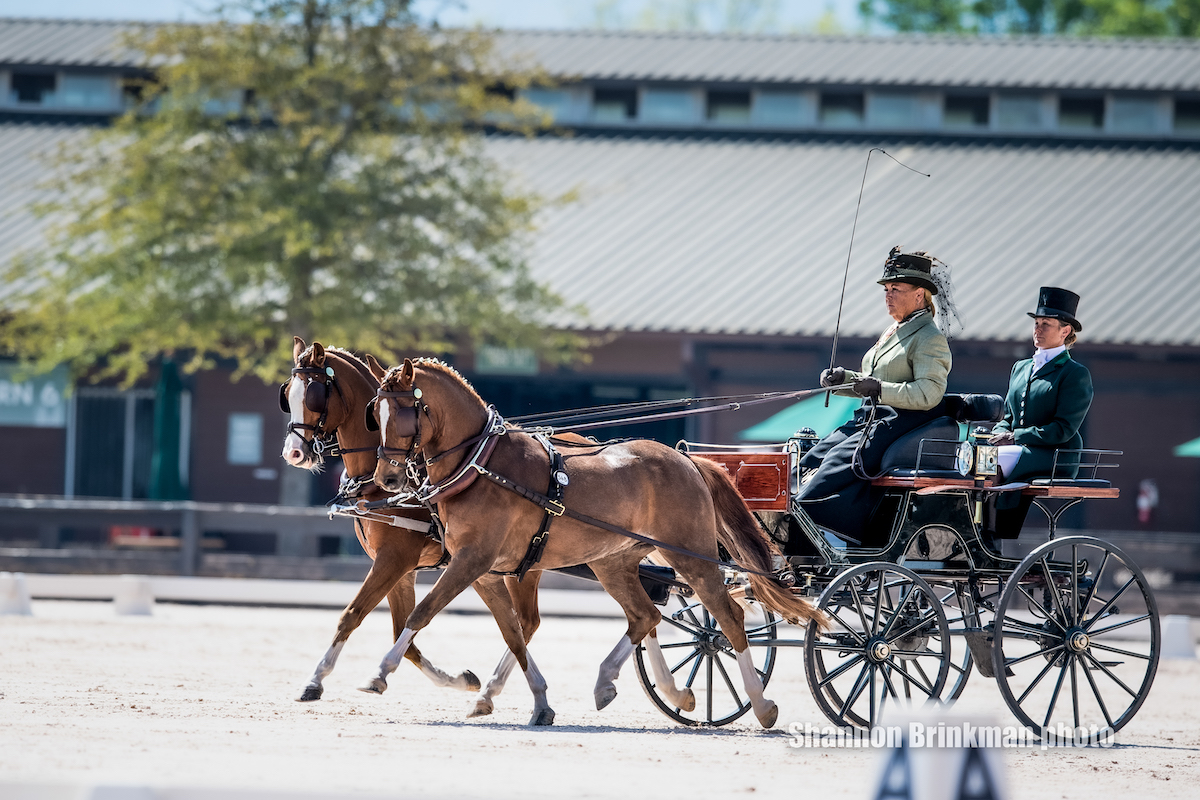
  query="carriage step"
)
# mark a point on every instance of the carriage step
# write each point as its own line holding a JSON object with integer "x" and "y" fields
{"x": 980, "y": 641}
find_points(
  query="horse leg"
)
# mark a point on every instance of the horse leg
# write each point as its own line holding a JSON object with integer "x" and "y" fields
{"x": 391, "y": 565}
{"x": 466, "y": 566}
{"x": 732, "y": 619}
{"x": 619, "y": 576}
{"x": 401, "y": 600}
{"x": 684, "y": 699}
{"x": 524, "y": 600}
{"x": 499, "y": 602}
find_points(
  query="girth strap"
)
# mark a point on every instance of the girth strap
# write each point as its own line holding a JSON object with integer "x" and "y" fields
{"x": 554, "y": 496}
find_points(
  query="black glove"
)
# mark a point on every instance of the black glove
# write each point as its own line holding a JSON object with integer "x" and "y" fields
{"x": 867, "y": 387}
{"x": 833, "y": 377}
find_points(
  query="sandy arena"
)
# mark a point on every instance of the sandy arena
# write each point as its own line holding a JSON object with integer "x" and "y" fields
{"x": 203, "y": 697}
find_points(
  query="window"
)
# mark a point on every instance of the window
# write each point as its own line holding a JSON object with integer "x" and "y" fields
{"x": 87, "y": 91}
{"x": 842, "y": 110}
{"x": 1134, "y": 114}
{"x": 1081, "y": 113}
{"x": 34, "y": 88}
{"x": 245, "y": 443}
{"x": 1187, "y": 116}
{"x": 781, "y": 109}
{"x": 671, "y": 106}
{"x": 614, "y": 105}
{"x": 554, "y": 101}
{"x": 966, "y": 111}
{"x": 894, "y": 111}
{"x": 1019, "y": 112}
{"x": 732, "y": 108}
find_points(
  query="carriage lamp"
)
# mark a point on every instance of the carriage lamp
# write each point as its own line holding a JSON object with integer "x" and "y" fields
{"x": 986, "y": 460}
{"x": 964, "y": 459}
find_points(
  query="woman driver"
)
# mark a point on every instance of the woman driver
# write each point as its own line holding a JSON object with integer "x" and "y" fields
{"x": 905, "y": 372}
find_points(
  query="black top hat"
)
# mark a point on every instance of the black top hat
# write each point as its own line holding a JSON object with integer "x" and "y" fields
{"x": 1058, "y": 304}
{"x": 915, "y": 268}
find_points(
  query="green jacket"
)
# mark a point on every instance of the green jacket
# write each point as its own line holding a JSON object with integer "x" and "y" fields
{"x": 1045, "y": 412}
{"x": 912, "y": 364}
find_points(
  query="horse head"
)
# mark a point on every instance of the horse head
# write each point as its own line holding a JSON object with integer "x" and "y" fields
{"x": 422, "y": 407}
{"x": 324, "y": 397}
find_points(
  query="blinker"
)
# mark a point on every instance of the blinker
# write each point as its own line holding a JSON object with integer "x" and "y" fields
{"x": 284, "y": 405}
{"x": 315, "y": 396}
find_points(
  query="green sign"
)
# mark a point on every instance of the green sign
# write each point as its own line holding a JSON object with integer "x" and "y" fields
{"x": 506, "y": 361}
{"x": 37, "y": 401}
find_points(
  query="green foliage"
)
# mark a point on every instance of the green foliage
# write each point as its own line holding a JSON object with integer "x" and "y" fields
{"x": 314, "y": 169}
{"x": 1037, "y": 17}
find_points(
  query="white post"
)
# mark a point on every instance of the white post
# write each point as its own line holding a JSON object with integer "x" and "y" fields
{"x": 133, "y": 596}
{"x": 1177, "y": 639}
{"x": 14, "y": 595}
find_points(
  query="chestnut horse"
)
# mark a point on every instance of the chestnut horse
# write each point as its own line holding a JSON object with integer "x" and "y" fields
{"x": 685, "y": 505}
{"x": 320, "y": 403}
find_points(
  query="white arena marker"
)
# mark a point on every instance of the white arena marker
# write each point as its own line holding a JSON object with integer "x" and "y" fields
{"x": 14, "y": 595}
{"x": 118, "y": 793}
{"x": 133, "y": 596}
{"x": 934, "y": 760}
{"x": 1177, "y": 640}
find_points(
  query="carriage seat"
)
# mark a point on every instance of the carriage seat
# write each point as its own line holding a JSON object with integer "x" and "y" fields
{"x": 938, "y": 458}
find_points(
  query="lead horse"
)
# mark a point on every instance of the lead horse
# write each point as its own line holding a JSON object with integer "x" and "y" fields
{"x": 661, "y": 499}
{"x": 326, "y": 394}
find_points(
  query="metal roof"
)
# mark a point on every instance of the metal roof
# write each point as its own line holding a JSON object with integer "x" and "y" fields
{"x": 67, "y": 43}
{"x": 750, "y": 237}
{"x": 933, "y": 61}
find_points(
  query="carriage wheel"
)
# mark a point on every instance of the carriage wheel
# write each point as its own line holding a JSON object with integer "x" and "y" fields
{"x": 888, "y": 648}
{"x": 1063, "y": 651}
{"x": 701, "y": 658}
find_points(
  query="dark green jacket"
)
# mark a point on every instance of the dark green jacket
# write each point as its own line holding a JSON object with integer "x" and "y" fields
{"x": 1046, "y": 413}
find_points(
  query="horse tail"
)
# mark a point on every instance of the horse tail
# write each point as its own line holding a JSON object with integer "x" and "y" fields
{"x": 741, "y": 535}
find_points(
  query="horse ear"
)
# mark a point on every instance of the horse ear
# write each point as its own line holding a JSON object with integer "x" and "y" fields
{"x": 318, "y": 355}
{"x": 407, "y": 375}
{"x": 376, "y": 368}
{"x": 369, "y": 416}
{"x": 298, "y": 347}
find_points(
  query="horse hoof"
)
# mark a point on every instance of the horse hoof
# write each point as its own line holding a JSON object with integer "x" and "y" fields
{"x": 473, "y": 684}
{"x": 374, "y": 686}
{"x": 769, "y": 716}
{"x": 689, "y": 701}
{"x": 482, "y": 709}
{"x": 605, "y": 696}
{"x": 310, "y": 693}
{"x": 543, "y": 717}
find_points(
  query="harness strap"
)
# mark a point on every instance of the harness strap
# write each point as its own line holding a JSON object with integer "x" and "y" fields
{"x": 554, "y": 493}
{"x": 557, "y": 509}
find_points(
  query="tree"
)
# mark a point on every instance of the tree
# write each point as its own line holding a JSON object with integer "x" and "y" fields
{"x": 314, "y": 168}
{"x": 1037, "y": 17}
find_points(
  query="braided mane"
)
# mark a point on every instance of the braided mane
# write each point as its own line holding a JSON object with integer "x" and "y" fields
{"x": 353, "y": 360}
{"x": 434, "y": 365}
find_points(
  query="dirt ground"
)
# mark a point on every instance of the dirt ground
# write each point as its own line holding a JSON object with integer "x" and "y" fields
{"x": 203, "y": 697}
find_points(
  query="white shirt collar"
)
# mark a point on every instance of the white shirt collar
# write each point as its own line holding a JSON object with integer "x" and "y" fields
{"x": 1043, "y": 357}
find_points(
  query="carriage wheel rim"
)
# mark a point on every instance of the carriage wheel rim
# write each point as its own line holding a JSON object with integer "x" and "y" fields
{"x": 1081, "y": 645}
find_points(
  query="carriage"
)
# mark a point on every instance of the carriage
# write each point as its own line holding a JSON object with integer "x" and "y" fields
{"x": 935, "y": 592}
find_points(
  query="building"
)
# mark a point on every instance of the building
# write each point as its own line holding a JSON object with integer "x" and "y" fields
{"x": 718, "y": 178}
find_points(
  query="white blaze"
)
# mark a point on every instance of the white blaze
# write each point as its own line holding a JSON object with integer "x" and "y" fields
{"x": 293, "y": 441}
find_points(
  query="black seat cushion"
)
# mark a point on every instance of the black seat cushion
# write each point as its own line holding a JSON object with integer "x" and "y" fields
{"x": 975, "y": 407}
{"x": 936, "y": 456}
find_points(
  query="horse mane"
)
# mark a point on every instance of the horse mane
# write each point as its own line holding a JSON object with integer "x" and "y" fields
{"x": 435, "y": 365}
{"x": 354, "y": 361}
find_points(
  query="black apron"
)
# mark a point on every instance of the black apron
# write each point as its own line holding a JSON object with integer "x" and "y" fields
{"x": 835, "y": 497}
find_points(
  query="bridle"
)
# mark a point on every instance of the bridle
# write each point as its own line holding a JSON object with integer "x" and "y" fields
{"x": 316, "y": 399}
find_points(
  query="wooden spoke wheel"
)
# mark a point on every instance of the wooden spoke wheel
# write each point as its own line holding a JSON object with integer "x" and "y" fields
{"x": 888, "y": 649}
{"x": 1076, "y": 641}
{"x": 961, "y": 613}
{"x": 701, "y": 659}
